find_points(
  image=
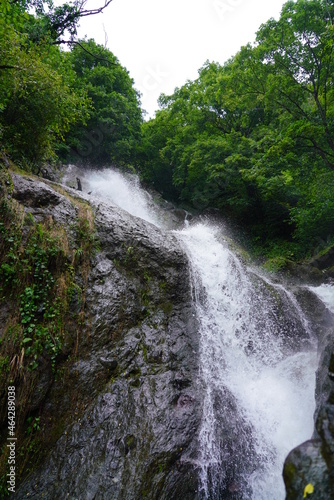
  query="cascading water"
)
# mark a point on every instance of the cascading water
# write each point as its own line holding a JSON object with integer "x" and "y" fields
{"x": 257, "y": 357}
{"x": 257, "y": 365}
{"x": 119, "y": 188}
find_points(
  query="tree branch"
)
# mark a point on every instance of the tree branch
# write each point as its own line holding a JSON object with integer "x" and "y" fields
{"x": 73, "y": 42}
{"x": 8, "y": 66}
{"x": 92, "y": 12}
{"x": 322, "y": 153}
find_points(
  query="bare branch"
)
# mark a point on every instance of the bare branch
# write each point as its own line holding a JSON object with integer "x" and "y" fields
{"x": 91, "y": 12}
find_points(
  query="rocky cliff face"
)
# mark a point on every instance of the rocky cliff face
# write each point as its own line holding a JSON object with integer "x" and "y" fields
{"x": 127, "y": 410}
{"x": 119, "y": 414}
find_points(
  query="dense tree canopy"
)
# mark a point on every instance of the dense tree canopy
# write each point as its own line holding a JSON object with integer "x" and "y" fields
{"x": 113, "y": 127}
{"x": 79, "y": 104}
{"x": 37, "y": 103}
{"x": 254, "y": 137}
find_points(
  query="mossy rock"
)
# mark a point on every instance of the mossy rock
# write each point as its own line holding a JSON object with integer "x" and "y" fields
{"x": 305, "y": 466}
{"x": 324, "y": 260}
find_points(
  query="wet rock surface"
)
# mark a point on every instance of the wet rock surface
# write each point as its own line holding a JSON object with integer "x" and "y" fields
{"x": 306, "y": 465}
{"x": 325, "y": 261}
{"x": 134, "y": 435}
{"x": 42, "y": 200}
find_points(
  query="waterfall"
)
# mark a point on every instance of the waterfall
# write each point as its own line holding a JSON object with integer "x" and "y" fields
{"x": 258, "y": 367}
{"x": 257, "y": 355}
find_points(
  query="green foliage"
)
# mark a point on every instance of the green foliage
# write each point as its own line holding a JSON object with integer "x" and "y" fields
{"x": 4, "y": 366}
{"x": 37, "y": 278}
{"x": 51, "y": 22}
{"x": 112, "y": 130}
{"x": 254, "y": 137}
{"x": 79, "y": 105}
{"x": 154, "y": 167}
{"x": 314, "y": 214}
{"x": 33, "y": 425}
{"x": 33, "y": 269}
{"x": 37, "y": 104}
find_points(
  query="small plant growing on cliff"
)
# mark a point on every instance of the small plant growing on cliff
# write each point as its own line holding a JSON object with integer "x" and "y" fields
{"x": 33, "y": 425}
{"x": 129, "y": 258}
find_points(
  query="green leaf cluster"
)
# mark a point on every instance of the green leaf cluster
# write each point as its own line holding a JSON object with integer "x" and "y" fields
{"x": 37, "y": 104}
{"x": 29, "y": 268}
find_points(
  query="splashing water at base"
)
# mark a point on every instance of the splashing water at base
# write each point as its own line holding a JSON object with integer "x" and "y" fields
{"x": 250, "y": 374}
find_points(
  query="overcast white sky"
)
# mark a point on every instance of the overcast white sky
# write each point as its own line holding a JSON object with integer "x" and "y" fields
{"x": 164, "y": 43}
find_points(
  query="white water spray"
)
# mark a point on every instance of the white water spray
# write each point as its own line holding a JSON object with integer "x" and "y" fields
{"x": 247, "y": 365}
{"x": 257, "y": 368}
{"x": 120, "y": 189}
{"x": 326, "y": 294}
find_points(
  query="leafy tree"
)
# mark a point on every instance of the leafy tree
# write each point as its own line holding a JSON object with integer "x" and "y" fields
{"x": 82, "y": 102}
{"x": 37, "y": 105}
{"x": 298, "y": 50}
{"x": 112, "y": 130}
{"x": 154, "y": 168}
{"x": 254, "y": 137}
